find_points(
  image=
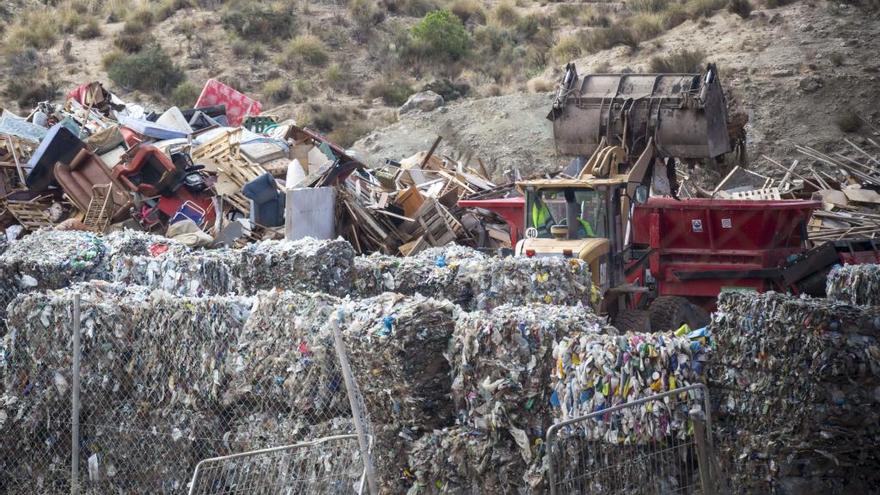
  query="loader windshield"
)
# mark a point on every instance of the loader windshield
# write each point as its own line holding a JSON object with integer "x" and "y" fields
{"x": 572, "y": 213}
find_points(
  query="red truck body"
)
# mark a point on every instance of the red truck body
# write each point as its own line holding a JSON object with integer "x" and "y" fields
{"x": 699, "y": 247}
{"x": 696, "y": 248}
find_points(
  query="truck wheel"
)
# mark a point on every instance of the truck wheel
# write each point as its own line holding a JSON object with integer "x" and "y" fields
{"x": 671, "y": 312}
{"x": 632, "y": 320}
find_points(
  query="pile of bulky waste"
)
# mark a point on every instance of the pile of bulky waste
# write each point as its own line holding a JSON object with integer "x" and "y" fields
{"x": 222, "y": 173}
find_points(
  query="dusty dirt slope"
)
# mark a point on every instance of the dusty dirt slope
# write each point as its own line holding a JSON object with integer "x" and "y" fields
{"x": 780, "y": 67}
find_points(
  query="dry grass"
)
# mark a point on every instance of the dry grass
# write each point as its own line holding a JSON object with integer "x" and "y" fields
{"x": 392, "y": 92}
{"x": 505, "y": 14}
{"x": 540, "y": 85}
{"x": 35, "y": 29}
{"x": 646, "y": 26}
{"x": 605, "y": 38}
{"x": 647, "y": 5}
{"x": 684, "y": 61}
{"x": 469, "y": 11}
{"x": 90, "y": 30}
{"x": 306, "y": 49}
{"x": 567, "y": 48}
{"x": 277, "y": 90}
{"x": 185, "y": 95}
{"x": 704, "y": 8}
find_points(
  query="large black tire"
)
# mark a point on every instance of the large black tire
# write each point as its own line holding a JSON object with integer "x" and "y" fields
{"x": 671, "y": 312}
{"x": 633, "y": 320}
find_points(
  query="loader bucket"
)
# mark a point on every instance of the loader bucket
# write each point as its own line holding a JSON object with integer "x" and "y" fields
{"x": 686, "y": 114}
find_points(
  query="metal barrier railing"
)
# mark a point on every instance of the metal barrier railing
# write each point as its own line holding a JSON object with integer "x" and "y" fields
{"x": 323, "y": 466}
{"x": 656, "y": 445}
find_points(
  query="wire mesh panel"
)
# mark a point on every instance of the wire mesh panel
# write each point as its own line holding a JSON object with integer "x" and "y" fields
{"x": 654, "y": 446}
{"x": 165, "y": 382}
{"x": 326, "y": 465}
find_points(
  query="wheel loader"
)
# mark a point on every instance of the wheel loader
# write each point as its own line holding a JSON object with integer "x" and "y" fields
{"x": 658, "y": 262}
{"x": 633, "y": 128}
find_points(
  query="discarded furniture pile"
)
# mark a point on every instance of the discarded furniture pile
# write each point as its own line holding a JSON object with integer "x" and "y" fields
{"x": 846, "y": 184}
{"x": 221, "y": 174}
{"x": 795, "y": 381}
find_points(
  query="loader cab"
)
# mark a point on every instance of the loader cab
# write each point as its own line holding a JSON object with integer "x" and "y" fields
{"x": 576, "y": 218}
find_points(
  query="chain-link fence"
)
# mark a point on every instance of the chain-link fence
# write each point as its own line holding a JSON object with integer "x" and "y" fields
{"x": 302, "y": 468}
{"x": 656, "y": 445}
{"x": 158, "y": 395}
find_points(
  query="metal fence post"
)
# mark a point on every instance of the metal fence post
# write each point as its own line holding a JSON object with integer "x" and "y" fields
{"x": 74, "y": 407}
{"x": 350, "y": 389}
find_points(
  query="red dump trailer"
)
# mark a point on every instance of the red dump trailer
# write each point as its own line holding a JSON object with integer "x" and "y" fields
{"x": 696, "y": 248}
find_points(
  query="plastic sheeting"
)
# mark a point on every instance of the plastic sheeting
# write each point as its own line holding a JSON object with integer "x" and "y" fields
{"x": 797, "y": 381}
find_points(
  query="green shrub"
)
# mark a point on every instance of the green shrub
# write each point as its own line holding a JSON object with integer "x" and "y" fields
{"x": 567, "y": 48}
{"x": 22, "y": 61}
{"x": 90, "y": 30}
{"x": 604, "y": 38}
{"x": 345, "y": 135}
{"x": 505, "y": 14}
{"x": 144, "y": 17}
{"x": 133, "y": 41}
{"x": 469, "y": 10}
{"x": 68, "y": 19}
{"x": 447, "y": 89}
{"x": 258, "y": 22}
{"x": 848, "y": 121}
{"x": 571, "y": 12}
{"x": 149, "y": 70}
{"x": 27, "y": 94}
{"x": 277, "y": 90}
{"x": 647, "y": 5}
{"x": 742, "y": 8}
{"x": 307, "y": 49}
{"x": 684, "y": 62}
{"x": 185, "y": 95}
{"x": 393, "y": 93}
{"x": 110, "y": 57}
{"x": 240, "y": 48}
{"x": 441, "y": 34}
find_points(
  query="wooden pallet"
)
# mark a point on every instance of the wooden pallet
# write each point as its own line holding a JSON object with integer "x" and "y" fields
{"x": 31, "y": 214}
{"x": 222, "y": 155}
{"x": 100, "y": 208}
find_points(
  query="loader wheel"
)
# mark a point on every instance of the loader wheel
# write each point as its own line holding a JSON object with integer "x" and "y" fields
{"x": 633, "y": 320}
{"x": 671, "y": 312}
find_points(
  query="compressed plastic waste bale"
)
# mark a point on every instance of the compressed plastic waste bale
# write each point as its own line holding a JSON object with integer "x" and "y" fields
{"x": 797, "y": 383}
{"x": 502, "y": 363}
{"x": 304, "y": 264}
{"x": 396, "y": 348}
{"x": 596, "y": 371}
{"x": 462, "y": 460}
{"x": 487, "y": 284}
{"x": 129, "y": 242}
{"x": 284, "y": 358}
{"x": 430, "y": 277}
{"x": 49, "y": 259}
{"x": 855, "y": 284}
{"x": 141, "y": 351}
{"x": 193, "y": 274}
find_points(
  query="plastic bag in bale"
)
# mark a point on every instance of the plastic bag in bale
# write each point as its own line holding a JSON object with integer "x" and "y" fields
{"x": 502, "y": 362}
{"x": 855, "y": 284}
{"x": 305, "y": 265}
{"x": 487, "y": 284}
{"x": 285, "y": 359}
{"x": 396, "y": 347}
{"x": 128, "y": 242}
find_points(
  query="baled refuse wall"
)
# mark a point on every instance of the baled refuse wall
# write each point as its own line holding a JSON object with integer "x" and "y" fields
{"x": 855, "y": 284}
{"x": 796, "y": 382}
{"x": 219, "y": 373}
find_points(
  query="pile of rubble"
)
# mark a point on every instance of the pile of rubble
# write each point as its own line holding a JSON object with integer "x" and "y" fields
{"x": 796, "y": 383}
{"x": 221, "y": 173}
